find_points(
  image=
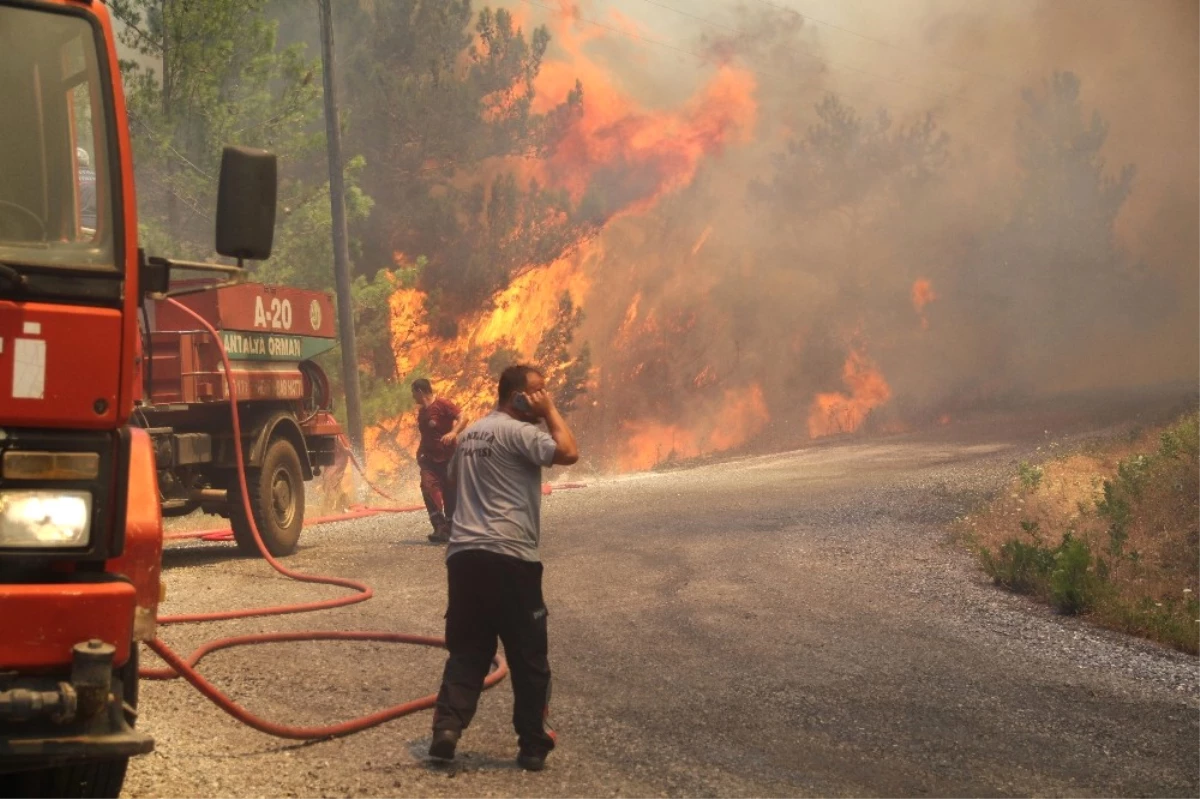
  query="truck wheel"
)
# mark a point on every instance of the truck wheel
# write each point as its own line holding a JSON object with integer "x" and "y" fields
{"x": 86, "y": 779}
{"x": 277, "y": 499}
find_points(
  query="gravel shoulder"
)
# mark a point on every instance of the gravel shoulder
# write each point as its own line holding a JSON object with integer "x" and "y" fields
{"x": 794, "y": 625}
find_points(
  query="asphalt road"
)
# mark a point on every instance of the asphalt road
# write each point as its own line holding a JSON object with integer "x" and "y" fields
{"x": 791, "y": 625}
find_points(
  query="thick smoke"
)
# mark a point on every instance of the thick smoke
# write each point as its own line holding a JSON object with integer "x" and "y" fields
{"x": 897, "y": 234}
{"x": 884, "y": 218}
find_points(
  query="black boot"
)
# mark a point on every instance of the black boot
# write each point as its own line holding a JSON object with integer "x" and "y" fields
{"x": 532, "y": 760}
{"x": 443, "y": 745}
{"x": 441, "y": 528}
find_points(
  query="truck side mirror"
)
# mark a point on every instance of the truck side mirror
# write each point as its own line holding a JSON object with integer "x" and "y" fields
{"x": 246, "y": 204}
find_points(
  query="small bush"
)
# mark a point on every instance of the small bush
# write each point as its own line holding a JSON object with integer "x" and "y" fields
{"x": 1075, "y": 585}
{"x": 1031, "y": 476}
{"x": 1181, "y": 441}
{"x": 1066, "y": 575}
{"x": 1019, "y": 566}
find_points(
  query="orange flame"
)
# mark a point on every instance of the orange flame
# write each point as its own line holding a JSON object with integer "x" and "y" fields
{"x": 844, "y": 413}
{"x": 459, "y": 369}
{"x": 922, "y": 295}
{"x": 612, "y": 155}
{"x": 741, "y": 416}
{"x": 639, "y": 153}
{"x": 516, "y": 320}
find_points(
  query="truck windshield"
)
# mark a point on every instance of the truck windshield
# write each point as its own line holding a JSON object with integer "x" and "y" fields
{"x": 56, "y": 201}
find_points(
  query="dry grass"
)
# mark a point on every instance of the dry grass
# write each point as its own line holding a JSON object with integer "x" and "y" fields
{"x": 1112, "y": 532}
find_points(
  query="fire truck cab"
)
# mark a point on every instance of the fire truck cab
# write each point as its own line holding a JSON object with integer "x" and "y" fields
{"x": 80, "y": 515}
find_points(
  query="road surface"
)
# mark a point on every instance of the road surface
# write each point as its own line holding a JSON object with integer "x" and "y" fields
{"x": 794, "y": 625}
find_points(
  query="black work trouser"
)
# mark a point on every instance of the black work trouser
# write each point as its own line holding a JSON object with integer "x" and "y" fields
{"x": 437, "y": 489}
{"x": 493, "y": 595}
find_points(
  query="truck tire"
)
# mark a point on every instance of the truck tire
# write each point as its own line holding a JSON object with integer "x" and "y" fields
{"x": 277, "y": 500}
{"x": 86, "y": 779}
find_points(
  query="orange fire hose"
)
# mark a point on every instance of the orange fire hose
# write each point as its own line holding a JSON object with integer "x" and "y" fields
{"x": 186, "y": 668}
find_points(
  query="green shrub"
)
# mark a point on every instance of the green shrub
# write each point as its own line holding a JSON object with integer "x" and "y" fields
{"x": 1182, "y": 440}
{"x": 1075, "y": 584}
{"x": 1031, "y": 476}
{"x": 1067, "y": 575}
{"x": 1019, "y": 566}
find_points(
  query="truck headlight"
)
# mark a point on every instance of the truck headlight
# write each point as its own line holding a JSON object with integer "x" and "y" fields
{"x": 31, "y": 519}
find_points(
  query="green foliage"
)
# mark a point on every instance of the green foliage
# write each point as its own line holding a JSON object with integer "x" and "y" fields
{"x": 218, "y": 78}
{"x": 386, "y": 399}
{"x": 1182, "y": 441}
{"x": 843, "y": 208}
{"x": 1173, "y": 620}
{"x": 1066, "y": 187}
{"x": 1027, "y": 276}
{"x": 372, "y": 322}
{"x": 303, "y": 252}
{"x": 1067, "y": 574}
{"x": 1123, "y": 494}
{"x": 501, "y": 359}
{"x": 1116, "y": 508}
{"x": 1132, "y": 474}
{"x": 437, "y": 98}
{"x": 1031, "y": 476}
{"x": 384, "y": 394}
{"x": 1075, "y": 580}
{"x": 1019, "y": 566}
{"x": 437, "y": 107}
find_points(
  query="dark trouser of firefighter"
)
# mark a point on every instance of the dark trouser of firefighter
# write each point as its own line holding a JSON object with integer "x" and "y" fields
{"x": 493, "y": 595}
{"x": 438, "y": 492}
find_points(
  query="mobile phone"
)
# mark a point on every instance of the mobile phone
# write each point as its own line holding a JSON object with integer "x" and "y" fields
{"x": 521, "y": 402}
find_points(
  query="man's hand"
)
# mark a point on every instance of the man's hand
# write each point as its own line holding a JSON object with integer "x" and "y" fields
{"x": 566, "y": 451}
{"x": 541, "y": 404}
{"x": 450, "y": 438}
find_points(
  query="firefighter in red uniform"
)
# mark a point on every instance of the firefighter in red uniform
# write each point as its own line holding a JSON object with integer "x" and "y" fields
{"x": 440, "y": 421}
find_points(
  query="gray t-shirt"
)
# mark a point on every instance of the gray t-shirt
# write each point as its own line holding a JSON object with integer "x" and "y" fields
{"x": 498, "y": 468}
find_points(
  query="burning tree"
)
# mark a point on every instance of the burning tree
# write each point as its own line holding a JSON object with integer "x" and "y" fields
{"x": 441, "y": 105}
{"x": 866, "y": 179}
{"x": 566, "y": 375}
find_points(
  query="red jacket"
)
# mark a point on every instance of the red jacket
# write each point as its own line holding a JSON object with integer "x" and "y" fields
{"x": 434, "y": 422}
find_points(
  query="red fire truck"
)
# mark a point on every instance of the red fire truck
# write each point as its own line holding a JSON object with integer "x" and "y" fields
{"x": 113, "y": 407}
{"x": 270, "y": 335}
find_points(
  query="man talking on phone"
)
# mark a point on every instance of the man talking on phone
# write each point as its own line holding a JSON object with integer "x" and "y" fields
{"x": 493, "y": 567}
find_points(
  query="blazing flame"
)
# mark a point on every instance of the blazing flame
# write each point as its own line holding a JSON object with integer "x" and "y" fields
{"x": 515, "y": 320}
{"x": 621, "y": 158}
{"x": 635, "y": 154}
{"x": 844, "y": 413}
{"x": 741, "y": 416}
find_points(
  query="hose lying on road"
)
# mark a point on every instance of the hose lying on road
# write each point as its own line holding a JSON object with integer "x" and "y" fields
{"x": 177, "y": 666}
